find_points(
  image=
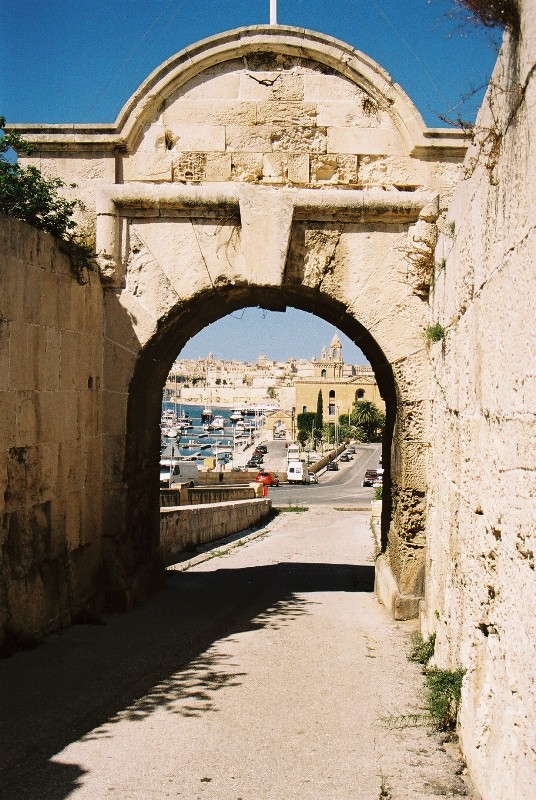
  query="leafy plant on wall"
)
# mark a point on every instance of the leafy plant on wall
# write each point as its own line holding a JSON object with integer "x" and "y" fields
{"x": 28, "y": 195}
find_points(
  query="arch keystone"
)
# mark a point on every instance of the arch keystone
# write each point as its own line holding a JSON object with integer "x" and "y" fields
{"x": 266, "y": 217}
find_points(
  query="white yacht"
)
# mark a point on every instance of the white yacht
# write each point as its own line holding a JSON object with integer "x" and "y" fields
{"x": 217, "y": 424}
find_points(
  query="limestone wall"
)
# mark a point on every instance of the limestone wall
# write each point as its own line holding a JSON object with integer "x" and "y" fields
{"x": 50, "y": 434}
{"x": 200, "y": 495}
{"x": 481, "y": 581}
{"x": 189, "y": 526}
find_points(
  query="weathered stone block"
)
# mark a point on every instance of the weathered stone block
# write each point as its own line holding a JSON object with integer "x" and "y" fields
{"x": 26, "y": 422}
{"x": 18, "y": 356}
{"x": 275, "y": 165}
{"x": 318, "y": 86}
{"x": 199, "y": 138}
{"x": 118, "y": 364}
{"x": 248, "y": 140}
{"x": 155, "y": 166}
{"x": 52, "y": 339}
{"x": 8, "y": 416}
{"x": 72, "y": 520}
{"x": 257, "y": 85}
{"x": 246, "y": 167}
{"x": 298, "y": 167}
{"x": 221, "y": 82}
{"x": 209, "y": 112}
{"x": 364, "y": 142}
{"x": 64, "y": 286}
{"x": 286, "y": 113}
{"x": 394, "y": 170}
{"x": 4, "y": 354}
{"x": 297, "y": 139}
{"x": 349, "y": 114}
{"x": 218, "y": 167}
{"x": 33, "y": 297}
{"x": 335, "y": 168}
{"x": 189, "y": 166}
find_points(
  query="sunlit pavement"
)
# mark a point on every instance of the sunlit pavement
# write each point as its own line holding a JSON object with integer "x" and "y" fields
{"x": 265, "y": 672}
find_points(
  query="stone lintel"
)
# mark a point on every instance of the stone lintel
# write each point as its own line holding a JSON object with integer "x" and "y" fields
{"x": 259, "y": 207}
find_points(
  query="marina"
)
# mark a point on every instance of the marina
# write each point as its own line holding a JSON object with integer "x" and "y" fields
{"x": 197, "y": 432}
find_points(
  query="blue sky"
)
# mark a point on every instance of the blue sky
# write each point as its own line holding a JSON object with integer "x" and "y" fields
{"x": 80, "y": 60}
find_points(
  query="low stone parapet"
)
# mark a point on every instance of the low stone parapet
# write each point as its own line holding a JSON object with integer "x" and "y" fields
{"x": 218, "y": 494}
{"x": 185, "y": 527}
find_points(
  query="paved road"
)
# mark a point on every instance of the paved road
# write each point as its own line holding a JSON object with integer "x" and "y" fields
{"x": 262, "y": 674}
{"x": 342, "y": 488}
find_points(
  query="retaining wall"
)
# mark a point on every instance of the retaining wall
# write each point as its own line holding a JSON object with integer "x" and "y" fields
{"x": 481, "y": 580}
{"x": 51, "y": 437}
{"x": 217, "y": 494}
{"x": 189, "y": 526}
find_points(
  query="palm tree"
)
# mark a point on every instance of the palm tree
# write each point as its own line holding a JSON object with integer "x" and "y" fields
{"x": 369, "y": 418}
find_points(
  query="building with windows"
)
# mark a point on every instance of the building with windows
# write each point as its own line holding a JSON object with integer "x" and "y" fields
{"x": 341, "y": 384}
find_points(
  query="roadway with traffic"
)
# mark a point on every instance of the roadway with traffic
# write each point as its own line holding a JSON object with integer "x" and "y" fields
{"x": 342, "y": 487}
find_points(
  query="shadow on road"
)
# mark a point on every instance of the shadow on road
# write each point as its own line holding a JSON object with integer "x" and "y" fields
{"x": 162, "y": 655}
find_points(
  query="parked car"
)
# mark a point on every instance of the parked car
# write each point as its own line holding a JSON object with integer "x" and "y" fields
{"x": 350, "y": 450}
{"x": 332, "y": 466}
{"x": 261, "y": 448}
{"x": 371, "y": 475}
{"x": 267, "y": 478}
{"x": 313, "y": 477}
{"x": 344, "y": 457}
{"x": 252, "y": 464}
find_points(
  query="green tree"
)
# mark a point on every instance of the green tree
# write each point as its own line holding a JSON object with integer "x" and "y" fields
{"x": 369, "y": 420}
{"x": 319, "y": 422}
{"x": 302, "y": 437}
{"x": 306, "y": 421}
{"x": 270, "y": 392}
{"x": 27, "y": 195}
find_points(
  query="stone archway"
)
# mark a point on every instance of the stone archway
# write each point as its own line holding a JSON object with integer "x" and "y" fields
{"x": 266, "y": 166}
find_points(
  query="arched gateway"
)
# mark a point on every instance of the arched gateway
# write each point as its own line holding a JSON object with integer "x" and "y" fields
{"x": 266, "y": 166}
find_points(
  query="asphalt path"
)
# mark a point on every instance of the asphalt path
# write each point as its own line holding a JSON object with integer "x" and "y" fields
{"x": 267, "y": 671}
{"x": 341, "y": 488}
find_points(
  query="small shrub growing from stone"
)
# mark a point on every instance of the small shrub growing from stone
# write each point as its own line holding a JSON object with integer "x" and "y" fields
{"x": 435, "y": 332}
{"x": 444, "y": 688}
{"x": 422, "y": 650}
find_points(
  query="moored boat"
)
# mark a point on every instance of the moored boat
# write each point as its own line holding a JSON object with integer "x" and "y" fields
{"x": 217, "y": 424}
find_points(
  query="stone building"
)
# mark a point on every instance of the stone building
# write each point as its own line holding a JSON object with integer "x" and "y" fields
{"x": 341, "y": 384}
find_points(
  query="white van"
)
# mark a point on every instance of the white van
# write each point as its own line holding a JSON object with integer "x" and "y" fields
{"x": 297, "y": 472}
{"x": 293, "y": 452}
{"x": 173, "y": 471}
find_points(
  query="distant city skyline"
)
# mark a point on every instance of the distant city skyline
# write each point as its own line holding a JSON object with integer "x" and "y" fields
{"x": 251, "y": 332}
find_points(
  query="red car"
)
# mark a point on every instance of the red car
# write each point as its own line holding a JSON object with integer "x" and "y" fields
{"x": 267, "y": 479}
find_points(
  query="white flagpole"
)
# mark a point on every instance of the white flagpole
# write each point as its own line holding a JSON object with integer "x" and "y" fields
{"x": 273, "y": 12}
